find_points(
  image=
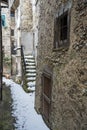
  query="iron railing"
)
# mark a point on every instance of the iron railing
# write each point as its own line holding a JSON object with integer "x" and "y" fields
{"x": 23, "y": 63}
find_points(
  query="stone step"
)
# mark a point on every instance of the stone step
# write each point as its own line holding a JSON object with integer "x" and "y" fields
{"x": 31, "y": 71}
{"x": 32, "y": 89}
{"x": 28, "y": 57}
{"x": 30, "y": 60}
{"x": 30, "y": 63}
{"x": 30, "y": 67}
{"x": 31, "y": 74}
{"x": 31, "y": 78}
{"x": 31, "y": 84}
{"x": 27, "y": 69}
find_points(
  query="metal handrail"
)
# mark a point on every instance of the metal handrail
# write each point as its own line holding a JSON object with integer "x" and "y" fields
{"x": 23, "y": 60}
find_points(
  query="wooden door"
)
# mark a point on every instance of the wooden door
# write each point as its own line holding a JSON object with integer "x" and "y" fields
{"x": 46, "y": 97}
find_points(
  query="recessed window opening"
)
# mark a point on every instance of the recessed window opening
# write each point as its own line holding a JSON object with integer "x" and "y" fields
{"x": 63, "y": 27}
{"x": 12, "y": 32}
{"x": 12, "y": 13}
{"x": 61, "y": 30}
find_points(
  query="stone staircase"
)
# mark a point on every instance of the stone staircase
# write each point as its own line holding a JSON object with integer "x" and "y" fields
{"x": 30, "y": 72}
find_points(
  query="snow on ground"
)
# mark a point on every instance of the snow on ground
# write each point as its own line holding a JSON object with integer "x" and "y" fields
{"x": 31, "y": 85}
{"x": 23, "y": 109}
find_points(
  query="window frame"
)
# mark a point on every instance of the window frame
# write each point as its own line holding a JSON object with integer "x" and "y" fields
{"x": 58, "y": 43}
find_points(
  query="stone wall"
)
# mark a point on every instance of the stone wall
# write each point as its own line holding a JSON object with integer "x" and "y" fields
{"x": 26, "y": 26}
{"x": 6, "y": 42}
{"x": 26, "y": 15}
{"x": 6, "y": 32}
{"x": 36, "y": 14}
{"x": 68, "y": 66}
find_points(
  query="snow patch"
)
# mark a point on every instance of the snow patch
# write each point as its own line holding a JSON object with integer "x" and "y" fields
{"x": 23, "y": 108}
{"x": 31, "y": 84}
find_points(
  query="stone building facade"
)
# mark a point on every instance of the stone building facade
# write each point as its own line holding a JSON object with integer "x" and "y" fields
{"x": 61, "y": 84}
{"x": 26, "y": 26}
{"x": 36, "y": 13}
{"x": 22, "y": 27}
{"x": 15, "y": 38}
{"x": 5, "y": 14}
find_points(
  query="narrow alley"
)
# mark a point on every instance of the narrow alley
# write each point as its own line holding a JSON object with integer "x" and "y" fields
{"x": 23, "y": 110}
{"x": 43, "y": 64}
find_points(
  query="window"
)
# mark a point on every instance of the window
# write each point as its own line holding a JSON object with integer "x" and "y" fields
{"x": 12, "y": 13}
{"x": 13, "y": 51}
{"x": 12, "y": 32}
{"x": 61, "y": 30}
{"x": 3, "y": 19}
{"x": 63, "y": 27}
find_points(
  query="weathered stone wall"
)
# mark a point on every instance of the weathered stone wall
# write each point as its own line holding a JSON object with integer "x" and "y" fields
{"x": 36, "y": 13}
{"x": 26, "y": 26}
{"x": 69, "y": 66}
{"x": 6, "y": 42}
{"x": 26, "y": 15}
{"x": 6, "y": 32}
